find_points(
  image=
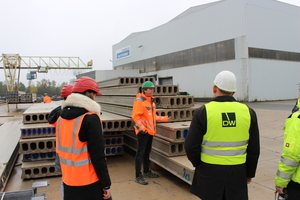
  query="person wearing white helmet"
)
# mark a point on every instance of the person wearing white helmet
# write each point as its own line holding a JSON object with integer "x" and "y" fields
{"x": 223, "y": 144}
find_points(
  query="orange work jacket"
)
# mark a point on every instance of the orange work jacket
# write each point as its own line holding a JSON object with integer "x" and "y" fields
{"x": 144, "y": 115}
{"x": 75, "y": 161}
{"x": 47, "y": 99}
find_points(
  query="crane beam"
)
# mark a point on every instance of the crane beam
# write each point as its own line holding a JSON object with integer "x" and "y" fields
{"x": 13, "y": 63}
{"x": 35, "y": 62}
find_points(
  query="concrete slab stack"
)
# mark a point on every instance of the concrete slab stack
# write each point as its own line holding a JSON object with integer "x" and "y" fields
{"x": 28, "y": 97}
{"x": 20, "y": 97}
{"x": 38, "y": 113}
{"x": 119, "y": 98}
{"x": 37, "y": 130}
{"x": 168, "y": 145}
{"x": 125, "y": 81}
{"x": 173, "y": 132}
{"x": 13, "y": 96}
{"x": 37, "y": 142}
{"x": 113, "y": 127}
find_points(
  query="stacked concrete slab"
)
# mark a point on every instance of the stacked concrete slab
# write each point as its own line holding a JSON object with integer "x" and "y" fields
{"x": 37, "y": 142}
{"x": 113, "y": 127}
{"x": 20, "y": 97}
{"x": 118, "y": 96}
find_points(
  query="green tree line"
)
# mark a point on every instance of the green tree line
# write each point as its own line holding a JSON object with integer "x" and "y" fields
{"x": 40, "y": 87}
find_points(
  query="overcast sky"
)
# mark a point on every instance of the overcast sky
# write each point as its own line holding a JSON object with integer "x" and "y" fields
{"x": 85, "y": 29}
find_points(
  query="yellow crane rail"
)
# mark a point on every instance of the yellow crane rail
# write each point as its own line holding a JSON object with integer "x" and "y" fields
{"x": 13, "y": 63}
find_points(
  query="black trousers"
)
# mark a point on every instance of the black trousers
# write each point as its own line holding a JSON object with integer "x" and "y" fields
{"x": 144, "y": 145}
{"x": 293, "y": 191}
{"x": 90, "y": 192}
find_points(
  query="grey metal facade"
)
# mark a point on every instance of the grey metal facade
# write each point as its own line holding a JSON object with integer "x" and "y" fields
{"x": 257, "y": 40}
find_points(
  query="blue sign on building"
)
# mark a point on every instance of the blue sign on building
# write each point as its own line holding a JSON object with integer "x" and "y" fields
{"x": 123, "y": 53}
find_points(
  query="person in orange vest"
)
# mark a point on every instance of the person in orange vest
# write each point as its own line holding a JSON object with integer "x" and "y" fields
{"x": 144, "y": 117}
{"x": 80, "y": 144}
{"x": 47, "y": 99}
{"x": 52, "y": 118}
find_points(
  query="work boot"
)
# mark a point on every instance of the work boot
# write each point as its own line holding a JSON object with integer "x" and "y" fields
{"x": 141, "y": 180}
{"x": 150, "y": 174}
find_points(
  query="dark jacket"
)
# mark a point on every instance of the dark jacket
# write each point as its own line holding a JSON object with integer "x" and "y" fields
{"x": 91, "y": 131}
{"x": 54, "y": 115}
{"x": 214, "y": 181}
{"x": 52, "y": 118}
{"x": 296, "y": 107}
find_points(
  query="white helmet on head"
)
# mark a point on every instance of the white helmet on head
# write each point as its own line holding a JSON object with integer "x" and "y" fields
{"x": 226, "y": 81}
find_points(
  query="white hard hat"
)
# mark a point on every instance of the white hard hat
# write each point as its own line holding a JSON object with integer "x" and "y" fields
{"x": 226, "y": 81}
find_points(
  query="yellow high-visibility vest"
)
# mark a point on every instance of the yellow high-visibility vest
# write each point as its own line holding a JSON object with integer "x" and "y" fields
{"x": 226, "y": 139}
{"x": 288, "y": 166}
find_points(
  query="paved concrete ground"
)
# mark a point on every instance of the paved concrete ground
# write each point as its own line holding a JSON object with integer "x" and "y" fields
{"x": 271, "y": 116}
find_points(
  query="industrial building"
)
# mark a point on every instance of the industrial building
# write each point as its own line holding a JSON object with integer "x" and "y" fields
{"x": 258, "y": 40}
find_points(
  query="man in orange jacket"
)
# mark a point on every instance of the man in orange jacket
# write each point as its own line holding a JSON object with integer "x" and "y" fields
{"x": 144, "y": 117}
{"x": 47, "y": 99}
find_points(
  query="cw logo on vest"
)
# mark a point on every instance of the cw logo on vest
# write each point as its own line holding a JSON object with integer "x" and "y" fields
{"x": 228, "y": 120}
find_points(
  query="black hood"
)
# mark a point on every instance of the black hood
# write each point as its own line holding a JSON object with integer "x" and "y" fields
{"x": 71, "y": 112}
{"x": 78, "y": 104}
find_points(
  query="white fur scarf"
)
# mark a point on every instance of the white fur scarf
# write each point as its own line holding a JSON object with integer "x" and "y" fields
{"x": 82, "y": 101}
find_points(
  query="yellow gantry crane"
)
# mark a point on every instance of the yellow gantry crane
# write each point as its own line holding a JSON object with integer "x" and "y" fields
{"x": 13, "y": 63}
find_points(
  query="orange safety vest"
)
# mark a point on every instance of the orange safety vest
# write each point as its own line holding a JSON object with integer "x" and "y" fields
{"x": 75, "y": 161}
{"x": 144, "y": 115}
{"x": 47, "y": 99}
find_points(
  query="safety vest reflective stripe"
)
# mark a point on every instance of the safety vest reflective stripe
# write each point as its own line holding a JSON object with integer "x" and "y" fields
{"x": 71, "y": 149}
{"x": 284, "y": 175}
{"x": 150, "y": 122}
{"x": 140, "y": 122}
{"x": 144, "y": 122}
{"x": 162, "y": 118}
{"x": 139, "y": 128}
{"x": 288, "y": 167}
{"x": 227, "y": 136}
{"x": 222, "y": 152}
{"x": 142, "y": 127}
{"x": 224, "y": 144}
{"x": 141, "y": 98}
{"x": 75, "y": 164}
{"x": 77, "y": 168}
{"x": 144, "y": 114}
{"x": 289, "y": 162}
